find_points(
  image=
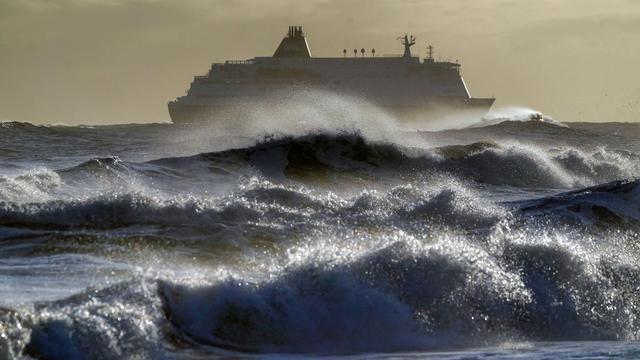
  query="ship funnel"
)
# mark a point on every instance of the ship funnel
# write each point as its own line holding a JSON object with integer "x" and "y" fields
{"x": 293, "y": 45}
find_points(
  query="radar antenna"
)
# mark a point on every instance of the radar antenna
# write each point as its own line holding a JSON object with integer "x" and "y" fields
{"x": 408, "y": 41}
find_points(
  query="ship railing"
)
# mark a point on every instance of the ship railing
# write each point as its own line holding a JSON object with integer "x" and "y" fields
{"x": 238, "y": 62}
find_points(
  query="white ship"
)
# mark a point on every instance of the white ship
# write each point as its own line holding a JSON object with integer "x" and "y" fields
{"x": 412, "y": 89}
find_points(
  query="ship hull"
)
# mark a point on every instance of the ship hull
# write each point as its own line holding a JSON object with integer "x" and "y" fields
{"x": 414, "y": 115}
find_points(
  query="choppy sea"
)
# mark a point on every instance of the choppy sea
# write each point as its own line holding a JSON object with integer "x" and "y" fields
{"x": 513, "y": 239}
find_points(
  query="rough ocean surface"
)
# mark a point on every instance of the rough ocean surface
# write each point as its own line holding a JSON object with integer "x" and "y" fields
{"x": 511, "y": 239}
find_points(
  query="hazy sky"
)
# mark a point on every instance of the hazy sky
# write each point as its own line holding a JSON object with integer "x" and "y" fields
{"x": 102, "y": 61}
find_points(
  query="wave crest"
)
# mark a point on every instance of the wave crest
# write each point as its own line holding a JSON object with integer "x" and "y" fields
{"x": 409, "y": 295}
{"x": 614, "y": 203}
{"x": 329, "y": 158}
{"x": 34, "y": 185}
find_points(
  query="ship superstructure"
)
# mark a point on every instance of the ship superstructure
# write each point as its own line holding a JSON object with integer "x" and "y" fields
{"x": 411, "y": 88}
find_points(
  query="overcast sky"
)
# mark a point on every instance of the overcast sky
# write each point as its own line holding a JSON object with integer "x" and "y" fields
{"x": 92, "y": 61}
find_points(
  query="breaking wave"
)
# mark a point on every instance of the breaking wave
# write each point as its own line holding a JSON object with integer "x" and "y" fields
{"x": 260, "y": 203}
{"x": 324, "y": 243}
{"x": 412, "y": 295}
{"x": 321, "y": 156}
{"x": 33, "y": 185}
{"x": 329, "y": 158}
{"x": 403, "y": 292}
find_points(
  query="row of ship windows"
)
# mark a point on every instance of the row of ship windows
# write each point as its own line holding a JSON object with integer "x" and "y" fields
{"x": 308, "y": 79}
{"x": 315, "y": 73}
{"x": 227, "y": 94}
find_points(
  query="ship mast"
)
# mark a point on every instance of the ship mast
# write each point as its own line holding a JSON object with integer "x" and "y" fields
{"x": 408, "y": 41}
{"x": 430, "y": 52}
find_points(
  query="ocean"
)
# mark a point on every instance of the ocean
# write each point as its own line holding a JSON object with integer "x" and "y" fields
{"x": 509, "y": 239}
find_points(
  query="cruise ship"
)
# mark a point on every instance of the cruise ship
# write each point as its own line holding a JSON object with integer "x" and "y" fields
{"x": 416, "y": 91}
